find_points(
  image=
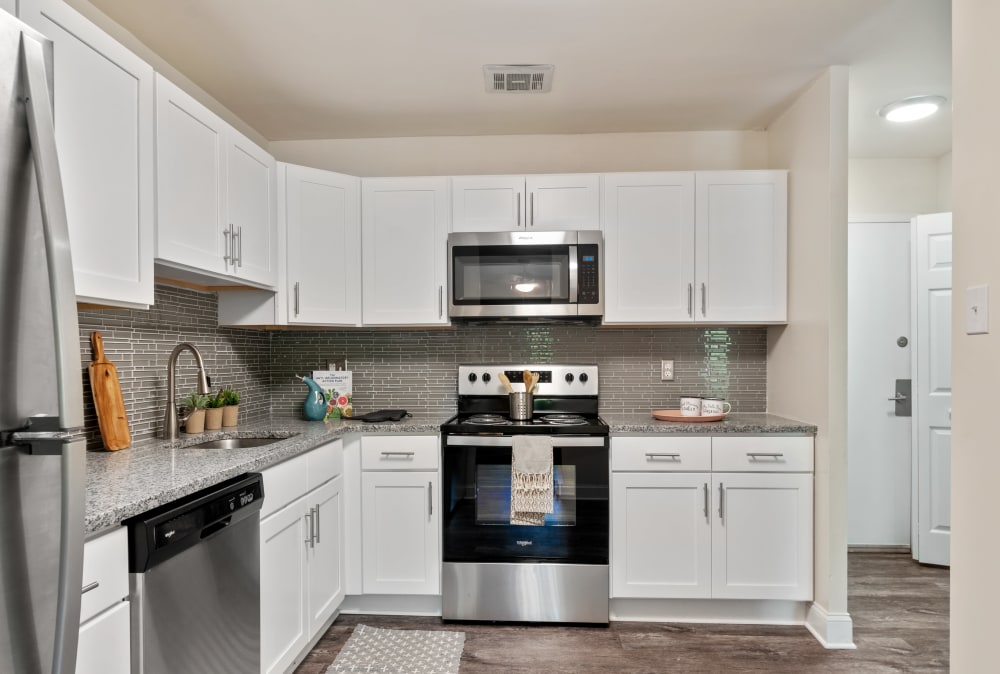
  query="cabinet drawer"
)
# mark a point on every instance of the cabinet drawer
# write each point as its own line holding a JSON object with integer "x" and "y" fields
{"x": 661, "y": 454}
{"x": 763, "y": 454}
{"x": 104, "y": 643}
{"x": 406, "y": 452}
{"x": 105, "y": 571}
{"x": 325, "y": 463}
{"x": 284, "y": 483}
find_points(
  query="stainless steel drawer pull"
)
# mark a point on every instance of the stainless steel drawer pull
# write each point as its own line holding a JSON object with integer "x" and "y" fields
{"x": 430, "y": 497}
{"x": 708, "y": 518}
{"x": 386, "y": 455}
{"x": 764, "y": 455}
{"x": 309, "y": 541}
{"x": 316, "y": 520}
{"x": 90, "y": 586}
{"x": 653, "y": 455}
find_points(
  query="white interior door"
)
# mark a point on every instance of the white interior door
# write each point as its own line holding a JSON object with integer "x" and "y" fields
{"x": 932, "y": 387}
{"x": 878, "y": 442}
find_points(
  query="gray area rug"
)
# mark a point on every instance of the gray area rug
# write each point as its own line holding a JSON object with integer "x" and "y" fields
{"x": 371, "y": 649}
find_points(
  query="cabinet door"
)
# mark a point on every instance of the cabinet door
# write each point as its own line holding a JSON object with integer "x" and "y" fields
{"x": 401, "y": 536}
{"x": 741, "y": 244}
{"x": 323, "y": 223}
{"x": 284, "y": 618}
{"x": 564, "y": 202}
{"x": 487, "y": 203}
{"x": 105, "y": 645}
{"x": 661, "y": 535}
{"x": 762, "y": 544}
{"x": 104, "y": 131}
{"x": 190, "y": 182}
{"x": 404, "y": 238}
{"x": 326, "y": 556}
{"x": 251, "y": 190}
{"x": 649, "y": 244}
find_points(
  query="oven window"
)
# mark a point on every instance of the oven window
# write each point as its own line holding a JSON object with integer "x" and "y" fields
{"x": 476, "y": 500}
{"x": 510, "y": 274}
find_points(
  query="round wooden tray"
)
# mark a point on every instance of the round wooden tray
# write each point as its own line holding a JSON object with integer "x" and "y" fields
{"x": 675, "y": 415}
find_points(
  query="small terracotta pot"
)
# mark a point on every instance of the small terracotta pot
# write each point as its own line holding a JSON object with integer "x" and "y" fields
{"x": 195, "y": 423}
{"x": 230, "y": 415}
{"x": 213, "y": 419}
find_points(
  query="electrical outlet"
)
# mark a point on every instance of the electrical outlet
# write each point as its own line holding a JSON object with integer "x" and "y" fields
{"x": 666, "y": 370}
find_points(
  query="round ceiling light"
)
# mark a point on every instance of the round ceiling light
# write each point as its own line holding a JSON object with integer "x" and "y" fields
{"x": 912, "y": 108}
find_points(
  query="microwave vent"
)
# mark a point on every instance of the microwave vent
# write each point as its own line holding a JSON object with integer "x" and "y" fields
{"x": 523, "y": 79}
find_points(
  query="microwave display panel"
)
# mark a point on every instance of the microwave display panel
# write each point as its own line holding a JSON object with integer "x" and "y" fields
{"x": 511, "y": 275}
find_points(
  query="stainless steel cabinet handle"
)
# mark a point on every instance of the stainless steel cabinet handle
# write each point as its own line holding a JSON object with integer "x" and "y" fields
{"x": 691, "y": 300}
{"x": 239, "y": 239}
{"x": 707, "y": 516}
{"x": 765, "y": 455}
{"x": 228, "y": 258}
{"x": 899, "y": 397}
{"x": 316, "y": 520}
{"x": 90, "y": 586}
{"x": 309, "y": 541}
{"x": 673, "y": 457}
{"x": 409, "y": 455}
{"x": 440, "y": 301}
{"x": 518, "y": 209}
{"x": 703, "y": 302}
{"x": 430, "y": 497}
{"x": 722, "y": 503}
{"x": 531, "y": 202}
{"x": 296, "y": 298}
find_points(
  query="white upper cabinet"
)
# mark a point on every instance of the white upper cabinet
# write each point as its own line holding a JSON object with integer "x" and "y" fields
{"x": 705, "y": 247}
{"x": 323, "y": 228}
{"x": 543, "y": 202}
{"x": 741, "y": 242}
{"x": 649, "y": 247}
{"x": 404, "y": 237}
{"x": 104, "y": 132}
{"x": 215, "y": 193}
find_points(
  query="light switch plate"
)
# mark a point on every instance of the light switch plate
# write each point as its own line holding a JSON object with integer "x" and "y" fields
{"x": 977, "y": 310}
{"x": 666, "y": 370}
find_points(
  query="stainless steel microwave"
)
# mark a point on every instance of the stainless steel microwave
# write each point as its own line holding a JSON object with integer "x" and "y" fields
{"x": 526, "y": 275}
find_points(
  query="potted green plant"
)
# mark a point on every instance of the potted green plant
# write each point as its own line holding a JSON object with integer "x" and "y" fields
{"x": 230, "y": 406}
{"x": 195, "y": 422}
{"x": 213, "y": 415}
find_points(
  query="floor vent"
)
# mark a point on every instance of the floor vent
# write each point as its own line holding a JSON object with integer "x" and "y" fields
{"x": 533, "y": 79}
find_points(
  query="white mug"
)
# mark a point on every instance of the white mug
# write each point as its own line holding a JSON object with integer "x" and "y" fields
{"x": 690, "y": 406}
{"x": 714, "y": 406}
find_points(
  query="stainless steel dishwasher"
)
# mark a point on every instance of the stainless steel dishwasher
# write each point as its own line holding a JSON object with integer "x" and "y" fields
{"x": 194, "y": 581}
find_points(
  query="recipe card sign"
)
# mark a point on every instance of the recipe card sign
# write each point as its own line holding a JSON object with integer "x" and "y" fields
{"x": 337, "y": 385}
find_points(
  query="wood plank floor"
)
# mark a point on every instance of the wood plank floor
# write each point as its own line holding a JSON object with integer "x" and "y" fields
{"x": 899, "y": 608}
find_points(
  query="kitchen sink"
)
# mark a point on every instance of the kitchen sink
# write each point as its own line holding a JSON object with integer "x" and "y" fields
{"x": 237, "y": 443}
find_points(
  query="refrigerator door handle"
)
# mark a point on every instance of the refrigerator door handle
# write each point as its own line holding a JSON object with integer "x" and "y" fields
{"x": 41, "y": 131}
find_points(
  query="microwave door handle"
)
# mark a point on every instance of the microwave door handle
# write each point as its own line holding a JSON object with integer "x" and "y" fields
{"x": 573, "y": 271}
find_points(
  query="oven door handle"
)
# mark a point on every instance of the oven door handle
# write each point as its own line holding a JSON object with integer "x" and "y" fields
{"x": 508, "y": 441}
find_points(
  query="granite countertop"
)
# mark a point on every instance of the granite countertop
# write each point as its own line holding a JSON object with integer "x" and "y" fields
{"x": 151, "y": 473}
{"x": 734, "y": 423}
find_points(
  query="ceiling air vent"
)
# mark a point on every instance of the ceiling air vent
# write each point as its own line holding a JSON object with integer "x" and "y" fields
{"x": 534, "y": 79}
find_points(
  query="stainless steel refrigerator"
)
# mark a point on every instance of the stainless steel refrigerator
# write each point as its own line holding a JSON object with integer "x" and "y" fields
{"x": 42, "y": 452}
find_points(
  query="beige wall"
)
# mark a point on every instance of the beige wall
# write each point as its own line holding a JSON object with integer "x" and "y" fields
{"x": 806, "y": 368}
{"x": 894, "y": 186}
{"x": 598, "y": 153}
{"x": 975, "y": 459}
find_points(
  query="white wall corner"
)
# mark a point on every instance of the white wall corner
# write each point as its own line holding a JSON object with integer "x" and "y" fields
{"x": 832, "y": 630}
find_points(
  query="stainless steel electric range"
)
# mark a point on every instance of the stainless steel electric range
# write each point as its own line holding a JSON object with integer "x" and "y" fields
{"x": 496, "y": 571}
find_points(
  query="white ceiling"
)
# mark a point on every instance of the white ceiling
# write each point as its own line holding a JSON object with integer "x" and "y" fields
{"x": 304, "y": 69}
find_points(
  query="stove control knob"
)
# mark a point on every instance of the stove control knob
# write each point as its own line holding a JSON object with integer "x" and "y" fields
{"x": 472, "y": 377}
{"x": 486, "y": 377}
{"x": 569, "y": 377}
{"x": 583, "y": 377}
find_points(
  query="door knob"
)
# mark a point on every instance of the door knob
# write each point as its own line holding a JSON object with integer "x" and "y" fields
{"x": 899, "y": 397}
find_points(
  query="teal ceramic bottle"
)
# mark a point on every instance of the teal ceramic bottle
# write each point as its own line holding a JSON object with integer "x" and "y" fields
{"x": 314, "y": 407}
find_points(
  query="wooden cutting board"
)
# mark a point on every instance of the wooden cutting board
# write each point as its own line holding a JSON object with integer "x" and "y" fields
{"x": 107, "y": 391}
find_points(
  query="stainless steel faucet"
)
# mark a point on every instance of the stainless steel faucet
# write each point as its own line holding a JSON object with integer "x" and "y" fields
{"x": 171, "y": 425}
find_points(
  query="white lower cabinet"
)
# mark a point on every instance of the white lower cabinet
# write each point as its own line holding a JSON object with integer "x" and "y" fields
{"x": 719, "y": 535}
{"x": 104, "y": 643}
{"x": 301, "y": 554}
{"x": 105, "y": 646}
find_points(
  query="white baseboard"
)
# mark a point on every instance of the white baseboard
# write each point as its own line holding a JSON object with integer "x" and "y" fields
{"x": 389, "y": 604}
{"x": 733, "y": 611}
{"x": 832, "y": 630}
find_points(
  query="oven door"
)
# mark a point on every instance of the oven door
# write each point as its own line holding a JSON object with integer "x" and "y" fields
{"x": 510, "y": 275}
{"x": 476, "y": 503}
